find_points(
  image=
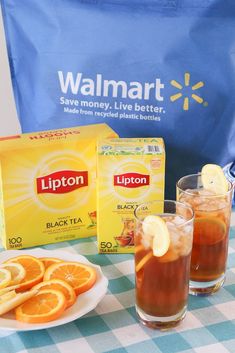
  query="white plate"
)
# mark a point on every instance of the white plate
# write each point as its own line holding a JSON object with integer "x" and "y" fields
{"x": 84, "y": 303}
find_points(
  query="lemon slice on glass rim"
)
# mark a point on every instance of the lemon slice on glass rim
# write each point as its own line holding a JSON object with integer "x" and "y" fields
{"x": 213, "y": 179}
{"x": 157, "y": 228}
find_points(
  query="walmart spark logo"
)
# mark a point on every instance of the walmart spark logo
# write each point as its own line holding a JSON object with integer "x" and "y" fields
{"x": 191, "y": 92}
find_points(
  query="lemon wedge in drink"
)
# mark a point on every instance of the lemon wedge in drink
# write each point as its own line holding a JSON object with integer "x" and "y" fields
{"x": 156, "y": 227}
{"x": 213, "y": 179}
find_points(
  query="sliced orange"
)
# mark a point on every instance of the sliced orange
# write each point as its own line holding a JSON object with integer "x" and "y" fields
{"x": 47, "y": 305}
{"x": 48, "y": 261}
{"x": 34, "y": 271}
{"x": 80, "y": 276}
{"x": 61, "y": 285}
{"x": 208, "y": 230}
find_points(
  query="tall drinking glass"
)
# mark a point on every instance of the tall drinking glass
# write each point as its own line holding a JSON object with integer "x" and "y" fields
{"x": 162, "y": 279}
{"x": 211, "y": 233}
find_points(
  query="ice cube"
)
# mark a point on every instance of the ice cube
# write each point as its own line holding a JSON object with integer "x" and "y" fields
{"x": 187, "y": 229}
{"x": 175, "y": 238}
{"x": 185, "y": 245}
{"x": 178, "y": 220}
{"x": 146, "y": 241}
{"x": 222, "y": 205}
{"x": 170, "y": 224}
{"x": 211, "y": 205}
{"x": 205, "y": 192}
{"x": 196, "y": 201}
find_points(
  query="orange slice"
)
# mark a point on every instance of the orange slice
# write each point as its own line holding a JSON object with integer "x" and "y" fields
{"x": 80, "y": 276}
{"x": 213, "y": 179}
{"x": 48, "y": 261}
{"x": 47, "y": 305}
{"x": 59, "y": 284}
{"x": 34, "y": 271}
{"x": 17, "y": 272}
{"x": 208, "y": 230}
{"x": 5, "y": 277}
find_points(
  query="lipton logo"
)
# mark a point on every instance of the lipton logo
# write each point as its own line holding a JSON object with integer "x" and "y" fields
{"x": 131, "y": 180}
{"x": 62, "y": 182}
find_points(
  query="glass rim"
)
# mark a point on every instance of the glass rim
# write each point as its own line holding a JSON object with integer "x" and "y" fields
{"x": 167, "y": 213}
{"x": 230, "y": 189}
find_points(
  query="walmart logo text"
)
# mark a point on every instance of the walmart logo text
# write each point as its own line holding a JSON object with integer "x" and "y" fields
{"x": 99, "y": 87}
{"x": 105, "y": 88}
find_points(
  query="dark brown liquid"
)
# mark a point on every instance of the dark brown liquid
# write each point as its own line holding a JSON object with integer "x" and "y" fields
{"x": 210, "y": 236}
{"x": 162, "y": 286}
{"x": 208, "y": 261}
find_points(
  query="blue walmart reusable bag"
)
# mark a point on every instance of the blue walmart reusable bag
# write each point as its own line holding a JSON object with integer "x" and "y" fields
{"x": 147, "y": 68}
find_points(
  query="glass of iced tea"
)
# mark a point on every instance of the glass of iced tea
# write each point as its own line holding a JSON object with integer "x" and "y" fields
{"x": 212, "y": 210}
{"x": 163, "y": 244}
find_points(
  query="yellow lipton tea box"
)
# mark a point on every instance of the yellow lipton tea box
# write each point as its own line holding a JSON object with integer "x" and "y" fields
{"x": 48, "y": 185}
{"x": 130, "y": 172}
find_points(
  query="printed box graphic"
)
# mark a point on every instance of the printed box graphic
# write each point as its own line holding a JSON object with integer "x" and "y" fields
{"x": 48, "y": 185}
{"x": 130, "y": 171}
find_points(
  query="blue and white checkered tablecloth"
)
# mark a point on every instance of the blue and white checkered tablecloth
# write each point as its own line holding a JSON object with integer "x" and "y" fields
{"x": 209, "y": 326}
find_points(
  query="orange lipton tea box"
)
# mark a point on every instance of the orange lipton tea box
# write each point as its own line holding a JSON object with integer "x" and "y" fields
{"x": 48, "y": 185}
{"x": 130, "y": 172}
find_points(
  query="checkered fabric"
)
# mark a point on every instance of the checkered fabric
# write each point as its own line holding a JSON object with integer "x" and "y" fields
{"x": 209, "y": 326}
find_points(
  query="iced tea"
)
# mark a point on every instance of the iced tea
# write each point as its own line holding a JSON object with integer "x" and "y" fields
{"x": 211, "y": 236}
{"x": 162, "y": 282}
